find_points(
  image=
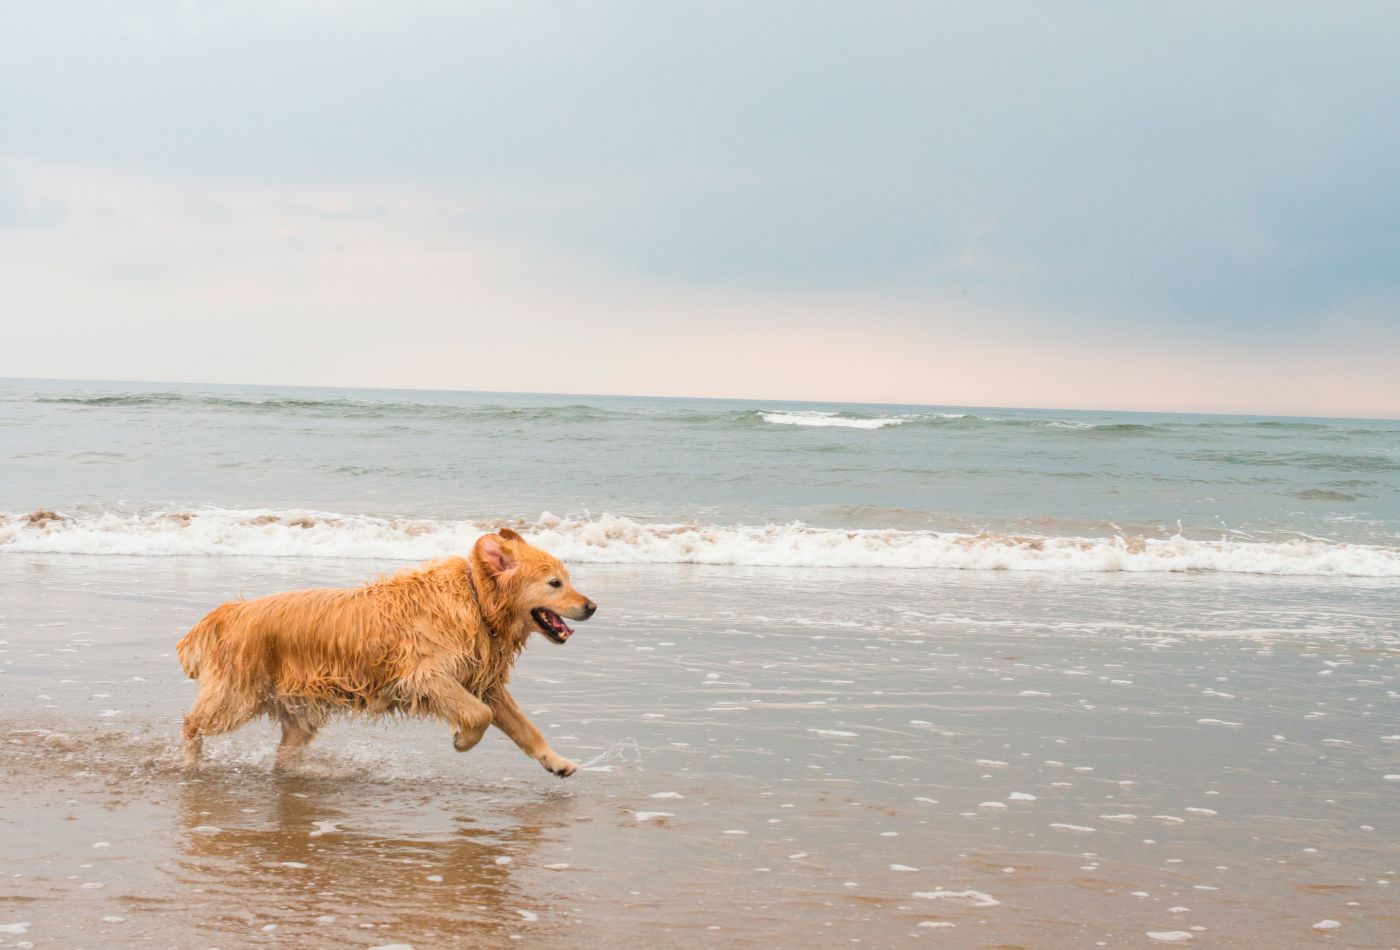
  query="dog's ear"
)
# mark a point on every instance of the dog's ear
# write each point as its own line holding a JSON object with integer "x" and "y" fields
{"x": 509, "y": 535}
{"x": 493, "y": 553}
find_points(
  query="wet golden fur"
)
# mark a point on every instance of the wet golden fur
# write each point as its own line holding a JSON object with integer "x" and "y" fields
{"x": 437, "y": 641}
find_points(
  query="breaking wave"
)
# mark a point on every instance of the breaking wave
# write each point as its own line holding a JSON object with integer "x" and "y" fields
{"x": 812, "y": 417}
{"x": 612, "y": 539}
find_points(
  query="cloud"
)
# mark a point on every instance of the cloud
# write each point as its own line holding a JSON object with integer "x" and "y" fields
{"x": 368, "y": 285}
{"x": 19, "y": 210}
{"x": 1185, "y": 178}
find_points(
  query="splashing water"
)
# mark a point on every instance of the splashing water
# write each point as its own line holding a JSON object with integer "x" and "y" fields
{"x": 625, "y": 751}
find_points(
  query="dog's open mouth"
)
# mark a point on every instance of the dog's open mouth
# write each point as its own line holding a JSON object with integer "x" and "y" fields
{"x": 552, "y": 624}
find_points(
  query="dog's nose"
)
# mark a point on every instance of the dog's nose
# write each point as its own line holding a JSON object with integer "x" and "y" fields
{"x": 589, "y": 609}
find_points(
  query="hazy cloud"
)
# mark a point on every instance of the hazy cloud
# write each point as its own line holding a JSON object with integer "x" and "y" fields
{"x": 1161, "y": 175}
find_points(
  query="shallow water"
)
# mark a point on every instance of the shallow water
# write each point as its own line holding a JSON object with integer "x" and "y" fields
{"x": 131, "y": 448}
{"x": 772, "y": 756}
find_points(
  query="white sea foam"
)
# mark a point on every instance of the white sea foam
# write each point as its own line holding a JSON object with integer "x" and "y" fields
{"x": 969, "y": 897}
{"x": 811, "y": 417}
{"x": 612, "y": 539}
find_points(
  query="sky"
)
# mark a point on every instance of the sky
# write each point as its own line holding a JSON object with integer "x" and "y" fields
{"x": 1189, "y": 206}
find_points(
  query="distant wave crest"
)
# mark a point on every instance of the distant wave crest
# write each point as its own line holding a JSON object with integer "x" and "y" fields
{"x": 681, "y": 413}
{"x": 611, "y": 539}
{"x": 812, "y": 417}
{"x": 852, "y": 419}
{"x": 338, "y": 407}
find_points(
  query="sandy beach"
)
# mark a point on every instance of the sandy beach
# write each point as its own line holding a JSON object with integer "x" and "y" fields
{"x": 770, "y": 756}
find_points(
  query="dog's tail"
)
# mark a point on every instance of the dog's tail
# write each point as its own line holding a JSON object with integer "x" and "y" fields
{"x": 194, "y": 646}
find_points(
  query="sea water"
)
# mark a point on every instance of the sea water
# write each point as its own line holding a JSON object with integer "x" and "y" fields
{"x": 860, "y": 674}
{"x": 163, "y": 469}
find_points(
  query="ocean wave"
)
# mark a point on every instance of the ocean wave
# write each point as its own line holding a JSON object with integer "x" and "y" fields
{"x": 453, "y": 408}
{"x": 1336, "y": 461}
{"x": 338, "y": 407}
{"x": 957, "y": 420}
{"x": 812, "y": 417}
{"x": 612, "y": 539}
{"x": 133, "y": 399}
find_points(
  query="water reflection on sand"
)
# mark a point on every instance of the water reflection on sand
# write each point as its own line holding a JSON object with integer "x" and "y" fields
{"x": 289, "y": 853}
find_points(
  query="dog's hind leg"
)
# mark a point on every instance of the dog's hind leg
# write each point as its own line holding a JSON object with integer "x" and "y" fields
{"x": 299, "y": 724}
{"x": 194, "y": 745}
{"x": 448, "y": 699}
{"x": 216, "y": 709}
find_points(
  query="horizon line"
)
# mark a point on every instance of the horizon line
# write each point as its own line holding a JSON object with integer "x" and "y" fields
{"x": 809, "y": 402}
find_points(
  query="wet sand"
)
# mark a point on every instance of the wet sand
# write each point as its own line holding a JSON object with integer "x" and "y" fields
{"x": 772, "y": 758}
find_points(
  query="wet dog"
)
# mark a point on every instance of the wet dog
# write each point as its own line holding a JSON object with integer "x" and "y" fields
{"x": 435, "y": 641}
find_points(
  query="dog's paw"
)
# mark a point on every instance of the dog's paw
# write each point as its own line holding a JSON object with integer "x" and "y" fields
{"x": 558, "y": 765}
{"x": 464, "y": 742}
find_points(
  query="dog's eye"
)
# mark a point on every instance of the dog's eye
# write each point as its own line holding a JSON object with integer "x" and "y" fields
{"x": 556, "y": 582}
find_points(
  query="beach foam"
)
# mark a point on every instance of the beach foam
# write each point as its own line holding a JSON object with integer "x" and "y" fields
{"x": 613, "y": 539}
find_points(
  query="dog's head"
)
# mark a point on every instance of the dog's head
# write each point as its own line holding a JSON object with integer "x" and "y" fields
{"x": 532, "y": 585}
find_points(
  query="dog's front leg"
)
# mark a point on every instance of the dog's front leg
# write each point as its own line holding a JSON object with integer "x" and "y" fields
{"x": 468, "y": 716}
{"x": 509, "y": 719}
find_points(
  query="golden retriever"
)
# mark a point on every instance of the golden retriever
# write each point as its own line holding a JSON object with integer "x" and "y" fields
{"x": 437, "y": 640}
